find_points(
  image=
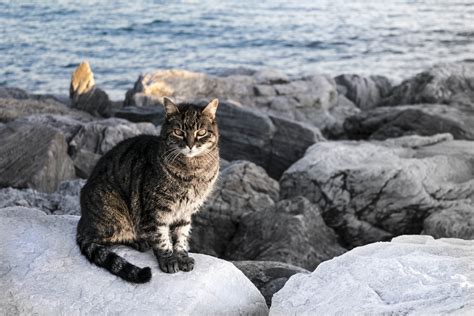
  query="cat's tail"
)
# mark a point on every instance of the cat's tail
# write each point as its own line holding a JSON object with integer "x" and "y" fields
{"x": 103, "y": 257}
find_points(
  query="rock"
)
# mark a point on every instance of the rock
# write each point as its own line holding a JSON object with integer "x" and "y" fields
{"x": 13, "y": 93}
{"x": 33, "y": 156}
{"x": 268, "y": 276}
{"x": 242, "y": 187}
{"x": 423, "y": 119}
{"x": 410, "y": 275}
{"x": 11, "y": 109}
{"x": 84, "y": 94}
{"x": 365, "y": 92}
{"x": 292, "y": 231}
{"x": 67, "y": 125}
{"x": 271, "y": 142}
{"x": 42, "y": 272}
{"x": 63, "y": 201}
{"x": 457, "y": 222}
{"x": 308, "y": 99}
{"x": 20, "y": 94}
{"x": 338, "y": 114}
{"x": 152, "y": 114}
{"x": 449, "y": 83}
{"x": 372, "y": 191}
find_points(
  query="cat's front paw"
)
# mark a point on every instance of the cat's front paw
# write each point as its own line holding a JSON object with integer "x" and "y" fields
{"x": 169, "y": 264}
{"x": 185, "y": 263}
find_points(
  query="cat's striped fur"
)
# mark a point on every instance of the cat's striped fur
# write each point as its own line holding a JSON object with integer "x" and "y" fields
{"x": 143, "y": 192}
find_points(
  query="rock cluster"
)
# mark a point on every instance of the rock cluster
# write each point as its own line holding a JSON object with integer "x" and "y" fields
{"x": 312, "y": 166}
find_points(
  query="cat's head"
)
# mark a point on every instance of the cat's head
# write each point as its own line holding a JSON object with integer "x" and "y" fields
{"x": 190, "y": 130}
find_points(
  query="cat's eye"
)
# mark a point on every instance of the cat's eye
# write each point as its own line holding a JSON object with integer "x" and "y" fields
{"x": 201, "y": 132}
{"x": 178, "y": 132}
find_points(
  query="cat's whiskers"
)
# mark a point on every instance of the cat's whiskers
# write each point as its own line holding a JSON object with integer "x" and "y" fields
{"x": 171, "y": 155}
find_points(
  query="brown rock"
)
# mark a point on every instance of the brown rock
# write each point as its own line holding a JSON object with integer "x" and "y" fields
{"x": 84, "y": 94}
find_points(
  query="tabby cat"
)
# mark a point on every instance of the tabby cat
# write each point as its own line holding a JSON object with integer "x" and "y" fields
{"x": 143, "y": 192}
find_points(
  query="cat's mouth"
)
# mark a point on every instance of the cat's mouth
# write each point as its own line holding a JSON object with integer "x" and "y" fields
{"x": 191, "y": 152}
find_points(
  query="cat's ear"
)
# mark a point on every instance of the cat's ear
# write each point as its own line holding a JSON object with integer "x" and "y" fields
{"x": 170, "y": 107}
{"x": 210, "y": 109}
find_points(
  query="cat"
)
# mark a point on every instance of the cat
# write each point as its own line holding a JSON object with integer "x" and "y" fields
{"x": 143, "y": 192}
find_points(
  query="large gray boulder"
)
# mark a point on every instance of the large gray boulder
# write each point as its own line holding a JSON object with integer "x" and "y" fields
{"x": 449, "y": 83}
{"x": 242, "y": 187}
{"x": 421, "y": 119}
{"x": 308, "y": 99}
{"x": 372, "y": 191}
{"x": 33, "y": 156}
{"x": 414, "y": 275}
{"x": 292, "y": 231}
{"x": 268, "y": 276}
{"x": 365, "y": 92}
{"x": 42, "y": 272}
{"x": 63, "y": 201}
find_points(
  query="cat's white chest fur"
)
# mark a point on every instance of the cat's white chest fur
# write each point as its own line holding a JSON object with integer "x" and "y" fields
{"x": 195, "y": 199}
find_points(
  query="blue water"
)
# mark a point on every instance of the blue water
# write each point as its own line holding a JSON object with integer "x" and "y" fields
{"x": 42, "y": 41}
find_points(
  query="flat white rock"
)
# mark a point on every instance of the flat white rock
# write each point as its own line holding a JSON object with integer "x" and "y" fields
{"x": 43, "y": 273}
{"x": 414, "y": 275}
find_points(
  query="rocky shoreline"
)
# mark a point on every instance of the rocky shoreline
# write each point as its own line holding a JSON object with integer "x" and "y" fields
{"x": 312, "y": 167}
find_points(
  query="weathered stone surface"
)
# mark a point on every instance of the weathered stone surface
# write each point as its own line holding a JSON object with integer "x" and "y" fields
{"x": 292, "y": 231}
{"x": 84, "y": 94}
{"x": 337, "y": 115}
{"x": 308, "y": 99}
{"x": 42, "y": 272}
{"x": 268, "y": 276}
{"x": 11, "y": 109}
{"x": 67, "y": 125}
{"x": 33, "y": 156}
{"x": 153, "y": 114}
{"x": 457, "y": 221}
{"x": 242, "y": 187}
{"x": 451, "y": 83}
{"x": 365, "y": 92}
{"x": 421, "y": 119}
{"x": 410, "y": 275}
{"x": 372, "y": 191}
{"x": 63, "y": 201}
